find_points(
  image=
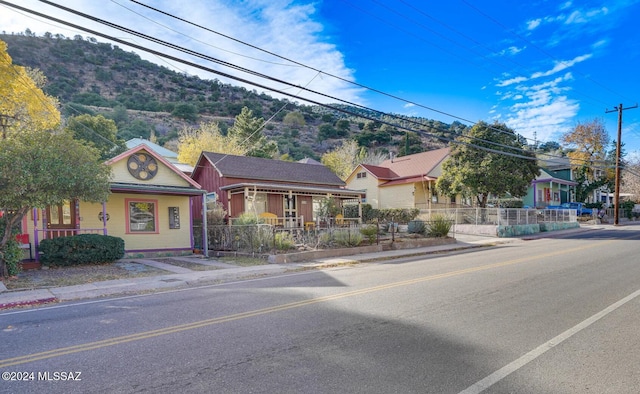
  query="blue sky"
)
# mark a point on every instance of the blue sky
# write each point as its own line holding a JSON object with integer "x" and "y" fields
{"x": 540, "y": 66}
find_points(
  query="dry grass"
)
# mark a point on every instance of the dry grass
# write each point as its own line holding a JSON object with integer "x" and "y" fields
{"x": 77, "y": 275}
{"x": 241, "y": 261}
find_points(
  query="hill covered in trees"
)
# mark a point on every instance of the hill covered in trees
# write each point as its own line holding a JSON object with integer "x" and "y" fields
{"x": 146, "y": 99}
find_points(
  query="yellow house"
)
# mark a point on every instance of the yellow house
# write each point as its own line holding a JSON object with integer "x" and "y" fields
{"x": 403, "y": 182}
{"x": 149, "y": 208}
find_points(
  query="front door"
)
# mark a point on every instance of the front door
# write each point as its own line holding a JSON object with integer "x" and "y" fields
{"x": 290, "y": 211}
{"x": 61, "y": 219}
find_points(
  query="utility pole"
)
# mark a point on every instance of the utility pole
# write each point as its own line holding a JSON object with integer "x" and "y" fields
{"x": 616, "y": 197}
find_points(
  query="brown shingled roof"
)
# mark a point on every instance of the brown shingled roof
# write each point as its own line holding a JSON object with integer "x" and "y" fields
{"x": 272, "y": 170}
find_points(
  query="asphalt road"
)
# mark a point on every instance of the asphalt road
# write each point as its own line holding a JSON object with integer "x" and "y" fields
{"x": 539, "y": 316}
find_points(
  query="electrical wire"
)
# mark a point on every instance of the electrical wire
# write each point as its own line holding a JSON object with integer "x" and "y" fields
{"x": 268, "y": 88}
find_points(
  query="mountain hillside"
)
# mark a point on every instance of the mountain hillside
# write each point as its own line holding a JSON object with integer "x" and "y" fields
{"x": 144, "y": 98}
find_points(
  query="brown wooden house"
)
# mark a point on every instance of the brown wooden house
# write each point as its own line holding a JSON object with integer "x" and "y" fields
{"x": 292, "y": 191}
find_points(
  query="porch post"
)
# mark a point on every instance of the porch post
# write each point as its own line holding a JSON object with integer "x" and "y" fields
{"x": 205, "y": 235}
{"x": 35, "y": 233}
{"x": 104, "y": 218}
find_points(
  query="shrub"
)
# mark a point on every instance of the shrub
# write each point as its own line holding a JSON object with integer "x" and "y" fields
{"x": 397, "y": 215}
{"x": 81, "y": 249}
{"x": 347, "y": 238}
{"x": 284, "y": 241}
{"x": 416, "y": 227}
{"x": 439, "y": 226}
{"x": 247, "y": 218}
{"x": 370, "y": 232}
{"x": 11, "y": 253}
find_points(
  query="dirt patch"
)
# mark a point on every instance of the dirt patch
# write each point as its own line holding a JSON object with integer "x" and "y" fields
{"x": 77, "y": 275}
{"x": 186, "y": 264}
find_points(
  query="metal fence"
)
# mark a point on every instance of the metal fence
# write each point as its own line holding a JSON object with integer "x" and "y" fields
{"x": 268, "y": 239}
{"x": 501, "y": 216}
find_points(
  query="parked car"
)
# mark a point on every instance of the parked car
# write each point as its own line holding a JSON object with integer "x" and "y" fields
{"x": 581, "y": 210}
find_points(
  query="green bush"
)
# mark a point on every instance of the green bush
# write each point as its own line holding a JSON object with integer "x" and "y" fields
{"x": 397, "y": 215}
{"x": 247, "y": 218}
{"x": 370, "y": 232}
{"x": 284, "y": 241}
{"x": 416, "y": 227}
{"x": 627, "y": 208}
{"x": 11, "y": 253}
{"x": 439, "y": 226}
{"x": 347, "y": 238}
{"x": 81, "y": 249}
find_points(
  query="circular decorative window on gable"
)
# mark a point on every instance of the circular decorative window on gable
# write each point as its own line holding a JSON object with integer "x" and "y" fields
{"x": 142, "y": 166}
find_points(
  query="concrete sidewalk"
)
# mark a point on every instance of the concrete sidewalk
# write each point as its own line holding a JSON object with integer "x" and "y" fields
{"x": 182, "y": 277}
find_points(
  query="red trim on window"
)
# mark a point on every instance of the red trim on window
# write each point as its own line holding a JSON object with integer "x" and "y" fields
{"x": 155, "y": 216}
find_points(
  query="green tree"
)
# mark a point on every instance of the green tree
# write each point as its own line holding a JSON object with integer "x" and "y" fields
{"x": 343, "y": 124}
{"x": 135, "y": 129}
{"x": 99, "y": 132}
{"x": 39, "y": 169}
{"x": 186, "y": 112}
{"x": 248, "y": 130}
{"x": 294, "y": 119}
{"x": 410, "y": 144}
{"x": 488, "y": 160}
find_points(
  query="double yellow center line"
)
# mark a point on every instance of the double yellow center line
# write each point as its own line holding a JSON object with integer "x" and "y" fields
{"x": 278, "y": 308}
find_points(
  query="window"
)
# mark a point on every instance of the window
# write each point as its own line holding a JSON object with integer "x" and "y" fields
{"x": 256, "y": 203}
{"x": 142, "y": 216}
{"x": 361, "y": 175}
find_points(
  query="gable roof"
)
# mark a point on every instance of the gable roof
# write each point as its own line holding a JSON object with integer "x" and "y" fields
{"x": 170, "y": 155}
{"x": 158, "y": 157}
{"x": 549, "y": 176}
{"x": 417, "y": 164}
{"x": 164, "y": 152}
{"x": 258, "y": 168}
{"x": 380, "y": 172}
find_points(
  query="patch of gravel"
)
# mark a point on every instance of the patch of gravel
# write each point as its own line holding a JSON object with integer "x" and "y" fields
{"x": 77, "y": 275}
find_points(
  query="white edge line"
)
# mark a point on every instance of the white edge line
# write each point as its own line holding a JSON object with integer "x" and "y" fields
{"x": 503, "y": 372}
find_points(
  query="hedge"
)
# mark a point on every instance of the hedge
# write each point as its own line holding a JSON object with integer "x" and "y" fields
{"x": 81, "y": 249}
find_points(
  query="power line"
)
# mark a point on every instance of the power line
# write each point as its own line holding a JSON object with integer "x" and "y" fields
{"x": 279, "y": 91}
{"x": 395, "y": 97}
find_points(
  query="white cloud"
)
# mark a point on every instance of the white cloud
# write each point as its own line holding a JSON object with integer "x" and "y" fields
{"x": 533, "y": 24}
{"x": 579, "y": 16}
{"x": 566, "y": 5}
{"x": 280, "y": 26}
{"x": 512, "y": 81}
{"x": 560, "y": 66}
{"x": 409, "y": 105}
{"x": 542, "y": 109}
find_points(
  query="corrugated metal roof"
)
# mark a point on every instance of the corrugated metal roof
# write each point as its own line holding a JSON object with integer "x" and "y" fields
{"x": 272, "y": 170}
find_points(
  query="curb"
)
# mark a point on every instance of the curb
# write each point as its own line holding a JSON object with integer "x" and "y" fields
{"x": 17, "y": 304}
